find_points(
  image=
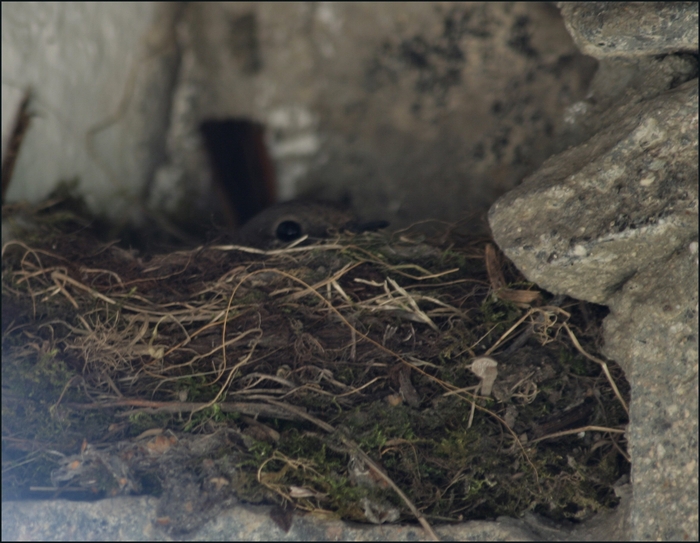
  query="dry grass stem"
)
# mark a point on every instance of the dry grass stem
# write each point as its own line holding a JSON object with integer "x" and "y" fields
{"x": 288, "y": 369}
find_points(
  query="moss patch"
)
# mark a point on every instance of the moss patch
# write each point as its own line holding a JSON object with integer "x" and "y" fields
{"x": 321, "y": 377}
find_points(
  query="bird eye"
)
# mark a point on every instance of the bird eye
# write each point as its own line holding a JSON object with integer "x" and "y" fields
{"x": 288, "y": 231}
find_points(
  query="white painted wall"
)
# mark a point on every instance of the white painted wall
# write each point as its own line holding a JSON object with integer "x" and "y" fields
{"x": 99, "y": 74}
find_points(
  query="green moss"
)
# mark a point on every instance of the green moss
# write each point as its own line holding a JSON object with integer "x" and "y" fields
{"x": 448, "y": 468}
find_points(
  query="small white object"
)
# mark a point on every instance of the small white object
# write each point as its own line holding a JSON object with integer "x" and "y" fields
{"x": 486, "y": 368}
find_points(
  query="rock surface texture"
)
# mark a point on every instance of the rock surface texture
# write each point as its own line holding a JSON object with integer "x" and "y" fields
{"x": 614, "y": 220}
{"x": 416, "y": 111}
{"x": 64, "y": 520}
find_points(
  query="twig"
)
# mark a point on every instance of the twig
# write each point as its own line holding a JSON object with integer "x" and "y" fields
{"x": 602, "y": 364}
{"x": 14, "y": 144}
{"x": 578, "y": 431}
{"x": 355, "y": 449}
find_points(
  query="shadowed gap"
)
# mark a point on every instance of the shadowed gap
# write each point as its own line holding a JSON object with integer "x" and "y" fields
{"x": 243, "y": 171}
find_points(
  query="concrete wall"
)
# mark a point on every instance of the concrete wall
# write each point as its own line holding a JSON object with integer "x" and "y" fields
{"x": 100, "y": 77}
{"x": 413, "y": 110}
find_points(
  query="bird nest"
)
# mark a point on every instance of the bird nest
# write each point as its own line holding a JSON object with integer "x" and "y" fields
{"x": 368, "y": 377}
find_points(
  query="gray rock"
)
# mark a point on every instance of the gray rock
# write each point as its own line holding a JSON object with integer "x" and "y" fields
{"x": 614, "y": 221}
{"x": 596, "y": 214}
{"x": 652, "y": 332}
{"x": 624, "y": 81}
{"x": 629, "y": 29}
{"x": 136, "y": 519}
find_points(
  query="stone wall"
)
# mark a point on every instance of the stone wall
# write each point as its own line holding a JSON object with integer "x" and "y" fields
{"x": 412, "y": 111}
{"x": 614, "y": 221}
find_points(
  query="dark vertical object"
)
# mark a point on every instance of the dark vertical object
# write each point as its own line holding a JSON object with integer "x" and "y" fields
{"x": 15, "y": 142}
{"x": 243, "y": 170}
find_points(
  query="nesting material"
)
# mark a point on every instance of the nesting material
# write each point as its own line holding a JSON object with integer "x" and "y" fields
{"x": 223, "y": 373}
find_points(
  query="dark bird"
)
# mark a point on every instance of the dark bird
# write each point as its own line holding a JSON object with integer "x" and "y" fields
{"x": 283, "y": 223}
